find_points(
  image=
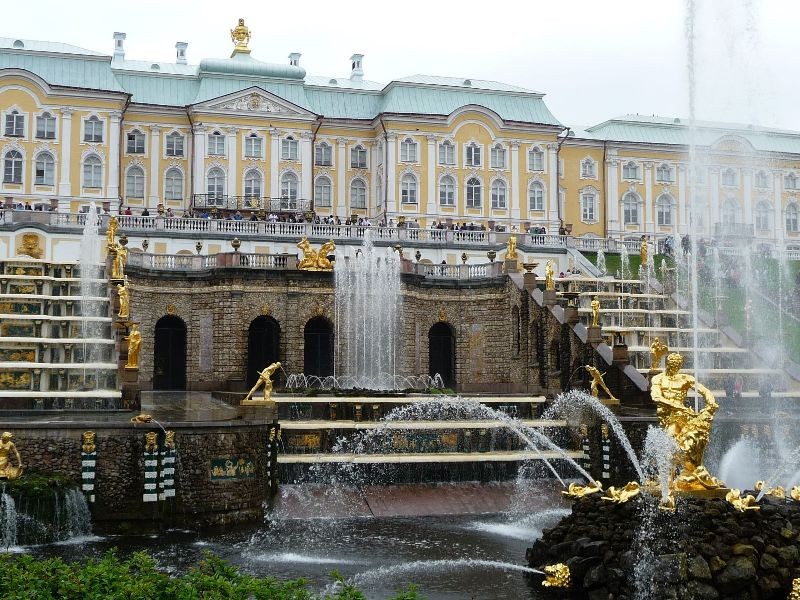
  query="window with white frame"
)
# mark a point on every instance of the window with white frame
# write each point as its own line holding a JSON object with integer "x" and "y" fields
{"x": 408, "y": 150}
{"x": 536, "y": 159}
{"x": 536, "y": 196}
{"x": 499, "y": 194}
{"x": 135, "y": 142}
{"x": 408, "y": 189}
{"x": 447, "y": 191}
{"x": 216, "y": 183}
{"x": 729, "y": 177}
{"x": 730, "y": 211}
{"x": 697, "y": 211}
{"x": 323, "y": 155}
{"x": 254, "y": 146}
{"x": 588, "y": 168}
{"x": 289, "y": 191}
{"x": 630, "y": 209}
{"x": 134, "y": 183}
{"x": 698, "y": 176}
{"x": 358, "y": 157}
{"x": 664, "y": 210}
{"x": 45, "y": 169}
{"x": 93, "y": 130}
{"x": 216, "y": 144}
{"x": 473, "y": 194}
{"x": 473, "y": 155}
{"x": 358, "y": 194}
{"x": 790, "y": 181}
{"x": 92, "y": 172}
{"x": 46, "y": 126}
{"x": 447, "y": 153}
{"x": 664, "y": 173}
{"x": 323, "y": 191}
{"x": 174, "y": 144}
{"x": 498, "y": 157}
{"x": 630, "y": 170}
{"x": 252, "y": 183}
{"x": 762, "y": 180}
{"x": 173, "y": 184}
{"x": 792, "y": 218}
{"x": 289, "y": 148}
{"x": 15, "y": 124}
{"x": 588, "y": 207}
{"x": 12, "y": 167}
{"x": 762, "y": 214}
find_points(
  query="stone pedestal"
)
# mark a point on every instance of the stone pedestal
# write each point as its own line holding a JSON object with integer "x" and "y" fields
{"x": 258, "y": 410}
{"x": 595, "y": 334}
{"x": 511, "y": 266}
{"x": 571, "y": 314}
{"x": 550, "y": 298}
{"x": 619, "y": 354}
{"x": 529, "y": 281}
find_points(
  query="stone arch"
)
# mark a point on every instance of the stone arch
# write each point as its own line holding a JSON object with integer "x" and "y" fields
{"x": 318, "y": 347}
{"x": 169, "y": 354}
{"x": 263, "y": 347}
{"x": 442, "y": 352}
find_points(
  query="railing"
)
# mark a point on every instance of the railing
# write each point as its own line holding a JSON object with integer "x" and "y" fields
{"x": 199, "y": 262}
{"x": 479, "y": 271}
{"x": 275, "y": 205}
{"x": 549, "y": 241}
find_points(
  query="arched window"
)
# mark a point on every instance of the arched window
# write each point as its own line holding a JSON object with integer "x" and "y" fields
{"x": 729, "y": 177}
{"x": 762, "y": 180}
{"x": 790, "y": 181}
{"x": 536, "y": 159}
{"x": 664, "y": 173}
{"x": 358, "y": 194}
{"x": 174, "y": 144}
{"x": 253, "y": 146}
{"x": 15, "y": 124}
{"x": 135, "y": 142}
{"x": 536, "y": 196}
{"x": 134, "y": 183}
{"x": 289, "y": 191}
{"x": 323, "y": 156}
{"x": 92, "y": 172}
{"x": 447, "y": 153}
{"x": 498, "y": 157}
{"x": 588, "y": 206}
{"x": 473, "y": 192}
{"x": 216, "y": 184}
{"x": 664, "y": 210}
{"x": 12, "y": 172}
{"x": 216, "y": 144}
{"x": 408, "y": 150}
{"x": 322, "y": 191}
{"x": 729, "y": 211}
{"x": 498, "y": 193}
{"x": 45, "y": 169}
{"x": 630, "y": 209}
{"x": 358, "y": 157}
{"x": 473, "y": 155}
{"x": 762, "y": 220}
{"x": 46, "y": 126}
{"x": 447, "y": 191}
{"x": 630, "y": 171}
{"x": 792, "y": 214}
{"x": 408, "y": 189}
{"x": 173, "y": 184}
{"x": 252, "y": 183}
{"x": 587, "y": 168}
{"x": 93, "y": 130}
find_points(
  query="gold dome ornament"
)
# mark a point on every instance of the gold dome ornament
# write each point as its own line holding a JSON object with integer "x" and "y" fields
{"x": 240, "y": 36}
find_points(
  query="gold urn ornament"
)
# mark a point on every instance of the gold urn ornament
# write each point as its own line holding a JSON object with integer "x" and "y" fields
{"x": 240, "y": 36}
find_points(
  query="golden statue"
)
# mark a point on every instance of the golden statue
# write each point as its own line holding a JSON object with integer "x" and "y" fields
{"x": 134, "y": 339}
{"x": 657, "y": 352}
{"x": 113, "y": 225}
{"x": 776, "y": 492}
{"x": 323, "y": 262}
{"x": 576, "y": 491}
{"x": 142, "y": 418}
{"x": 88, "y": 442}
{"x": 240, "y": 35}
{"x": 622, "y": 495}
{"x": 169, "y": 440}
{"x": 598, "y": 382}
{"x": 643, "y": 252}
{"x": 30, "y": 246}
{"x": 734, "y": 497}
{"x": 265, "y": 378}
{"x": 314, "y": 260}
{"x": 795, "y": 493}
{"x": 549, "y": 284}
{"x": 7, "y": 470}
{"x": 124, "y": 299}
{"x": 595, "y": 304}
{"x": 118, "y": 263}
{"x": 151, "y": 441}
{"x": 668, "y": 504}
{"x": 689, "y": 429}
{"x": 795, "y": 593}
{"x": 511, "y": 248}
{"x": 556, "y": 576}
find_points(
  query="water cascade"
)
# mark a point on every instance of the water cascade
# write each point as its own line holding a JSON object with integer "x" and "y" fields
{"x": 91, "y": 291}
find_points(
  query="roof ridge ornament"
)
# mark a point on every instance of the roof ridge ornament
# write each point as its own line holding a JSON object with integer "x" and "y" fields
{"x": 240, "y": 35}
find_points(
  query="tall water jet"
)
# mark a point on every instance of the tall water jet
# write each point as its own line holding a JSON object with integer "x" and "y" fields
{"x": 368, "y": 305}
{"x": 90, "y": 272}
{"x": 601, "y": 262}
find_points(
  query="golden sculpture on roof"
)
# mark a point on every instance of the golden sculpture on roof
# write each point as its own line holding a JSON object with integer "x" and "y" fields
{"x": 240, "y": 35}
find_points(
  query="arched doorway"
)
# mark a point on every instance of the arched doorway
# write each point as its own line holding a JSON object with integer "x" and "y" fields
{"x": 442, "y": 353}
{"x": 169, "y": 354}
{"x": 318, "y": 347}
{"x": 263, "y": 347}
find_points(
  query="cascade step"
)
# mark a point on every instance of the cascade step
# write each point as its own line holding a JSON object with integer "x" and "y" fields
{"x": 433, "y": 457}
{"x": 412, "y": 425}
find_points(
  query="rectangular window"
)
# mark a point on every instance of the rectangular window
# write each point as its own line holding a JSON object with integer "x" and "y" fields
{"x": 536, "y": 160}
{"x": 135, "y": 143}
{"x": 46, "y": 127}
{"x": 358, "y": 158}
{"x": 447, "y": 154}
{"x": 289, "y": 149}
{"x": 323, "y": 155}
{"x": 498, "y": 158}
{"x": 447, "y": 194}
{"x": 174, "y": 145}
{"x": 473, "y": 155}
{"x": 408, "y": 151}
{"x": 253, "y": 147}
{"x": 216, "y": 144}
{"x": 15, "y": 124}
{"x": 588, "y": 208}
{"x": 44, "y": 171}
{"x": 93, "y": 130}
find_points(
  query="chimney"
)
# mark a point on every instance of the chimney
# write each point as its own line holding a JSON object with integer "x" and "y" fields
{"x": 180, "y": 52}
{"x": 294, "y": 59}
{"x": 357, "y": 74}
{"x": 119, "y": 45}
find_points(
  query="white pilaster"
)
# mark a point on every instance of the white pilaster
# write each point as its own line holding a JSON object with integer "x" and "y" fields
{"x": 113, "y": 154}
{"x": 372, "y": 198}
{"x": 682, "y": 226}
{"x": 232, "y": 148}
{"x": 430, "y": 202}
{"x": 778, "y": 226}
{"x": 747, "y": 182}
{"x": 649, "y": 225}
{"x": 341, "y": 172}
{"x": 307, "y": 166}
{"x": 552, "y": 192}
{"x": 274, "y": 161}
{"x": 199, "y": 167}
{"x": 612, "y": 198}
{"x": 64, "y": 187}
{"x": 391, "y": 171}
{"x": 713, "y": 178}
{"x": 514, "y": 192}
{"x": 155, "y": 155}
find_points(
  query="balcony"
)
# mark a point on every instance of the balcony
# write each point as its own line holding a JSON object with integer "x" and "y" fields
{"x": 251, "y": 203}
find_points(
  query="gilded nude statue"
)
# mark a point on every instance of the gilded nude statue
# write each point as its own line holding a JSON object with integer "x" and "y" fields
{"x": 134, "y": 339}
{"x": 265, "y": 379}
{"x": 7, "y": 448}
{"x": 124, "y": 300}
{"x": 511, "y": 248}
{"x": 549, "y": 282}
{"x": 595, "y": 304}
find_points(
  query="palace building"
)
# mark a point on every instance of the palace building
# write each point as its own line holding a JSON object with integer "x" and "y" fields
{"x": 239, "y": 134}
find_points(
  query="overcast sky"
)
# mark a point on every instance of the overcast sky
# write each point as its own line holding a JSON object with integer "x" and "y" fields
{"x": 594, "y": 59}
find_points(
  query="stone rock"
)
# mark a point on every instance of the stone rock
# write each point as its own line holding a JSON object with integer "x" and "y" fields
{"x": 595, "y": 577}
{"x": 698, "y": 568}
{"x": 697, "y": 590}
{"x": 716, "y": 564}
{"x": 739, "y": 572}
{"x": 670, "y": 568}
{"x": 768, "y": 562}
{"x": 743, "y": 550}
{"x": 787, "y": 555}
{"x": 597, "y": 548}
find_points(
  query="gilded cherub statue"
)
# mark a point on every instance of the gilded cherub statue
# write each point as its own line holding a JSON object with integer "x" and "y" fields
{"x": 511, "y": 248}
{"x": 689, "y": 429}
{"x": 595, "y": 304}
{"x": 598, "y": 382}
{"x": 124, "y": 300}
{"x": 734, "y": 497}
{"x": 240, "y": 35}
{"x": 265, "y": 379}
{"x": 576, "y": 491}
{"x": 7, "y": 447}
{"x": 134, "y": 339}
{"x": 549, "y": 282}
{"x": 622, "y": 495}
{"x": 556, "y": 576}
{"x": 657, "y": 351}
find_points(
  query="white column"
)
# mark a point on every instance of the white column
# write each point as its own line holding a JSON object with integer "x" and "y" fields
{"x": 374, "y": 201}
{"x": 552, "y": 193}
{"x": 232, "y": 148}
{"x": 155, "y": 155}
{"x": 649, "y": 225}
{"x": 683, "y": 213}
{"x": 778, "y": 226}
{"x": 747, "y": 182}
{"x": 612, "y": 197}
{"x": 274, "y": 160}
{"x": 430, "y": 204}
{"x": 199, "y": 167}
{"x": 391, "y": 175}
{"x": 341, "y": 172}
{"x": 113, "y": 154}
{"x": 307, "y": 166}
{"x": 713, "y": 178}
{"x": 514, "y": 192}
{"x": 64, "y": 188}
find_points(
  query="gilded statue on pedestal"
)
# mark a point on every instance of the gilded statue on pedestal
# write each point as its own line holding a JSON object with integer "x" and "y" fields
{"x": 134, "y": 339}
{"x": 643, "y": 252}
{"x": 549, "y": 282}
{"x": 689, "y": 429}
{"x": 120, "y": 257}
{"x": 7, "y": 447}
{"x": 265, "y": 379}
{"x": 113, "y": 225}
{"x": 598, "y": 383}
{"x": 623, "y": 494}
{"x": 595, "y": 304}
{"x": 124, "y": 299}
{"x": 657, "y": 352}
{"x": 240, "y": 35}
{"x": 511, "y": 248}
{"x": 576, "y": 491}
{"x": 314, "y": 260}
{"x": 556, "y": 576}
